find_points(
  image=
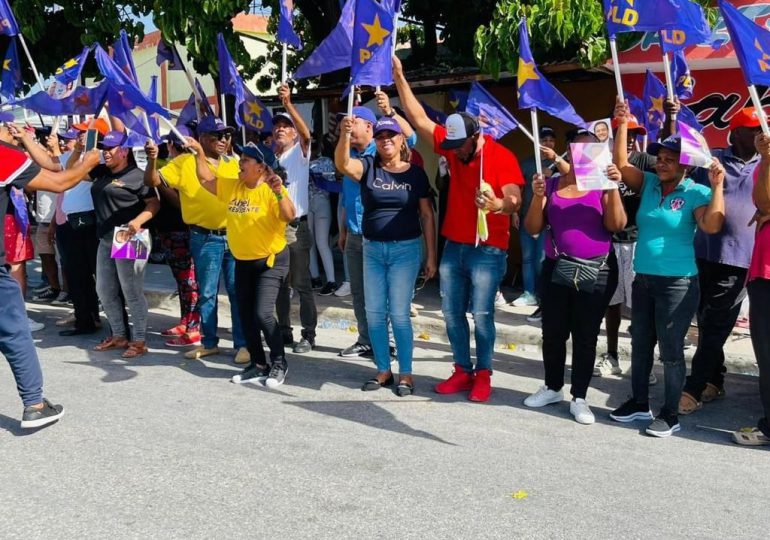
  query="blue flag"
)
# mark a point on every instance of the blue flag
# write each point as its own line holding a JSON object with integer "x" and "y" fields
{"x": 333, "y": 53}
{"x": 372, "y": 45}
{"x": 690, "y": 28}
{"x": 684, "y": 83}
{"x": 230, "y": 81}
{"x": 437, "y": 116}
{"x": 494, "y": 119}
{"x": 195, "y": 108}
{"x": 83, "y": 100}
{"x": 8, "y": 25}
{"x": 458, "y": 99}
{"x": 286, "y": 33}
{"x": 130, "y": 91}
{"x": 71, "y": 69}
{"x": 654, "y": 97}
{"x": 11, "y": 81}
{"x": 751, "y": 43}
{"x": 637, "y": 107}
{"x": 168, "y": 53}
{"x": 640, "y": 15}
{"x": 123, "y": 110}
{"x": 536, "y": 92}
{"x": 122, "y": 54}
{"x": 253, "y": 114}
{"x": 688, "y": 117}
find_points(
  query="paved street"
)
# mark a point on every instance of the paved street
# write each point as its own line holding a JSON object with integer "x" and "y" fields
{"x": 167, "y": 448}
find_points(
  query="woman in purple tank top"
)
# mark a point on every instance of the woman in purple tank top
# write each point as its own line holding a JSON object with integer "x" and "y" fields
{"x": 576, "y": 224}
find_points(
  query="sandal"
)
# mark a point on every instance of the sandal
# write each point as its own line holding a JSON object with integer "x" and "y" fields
{"x": 112, "y": 342}
{"x": 712, "y": 392}
{"x": 135, "y": 349}
{"x": 750, "y": 437}
{"x": 404, "y": 389}
{"x": 688, "y": 404}
{"x": 375, "y": 384}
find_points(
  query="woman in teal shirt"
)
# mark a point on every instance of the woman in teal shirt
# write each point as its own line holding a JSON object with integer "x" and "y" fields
{"x": 665, "y": 292}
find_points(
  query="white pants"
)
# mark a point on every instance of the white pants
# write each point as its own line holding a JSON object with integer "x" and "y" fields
{"x": 320, "y": 221}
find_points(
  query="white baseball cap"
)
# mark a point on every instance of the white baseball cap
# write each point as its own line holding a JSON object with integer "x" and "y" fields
{"x": 459, "y": 127}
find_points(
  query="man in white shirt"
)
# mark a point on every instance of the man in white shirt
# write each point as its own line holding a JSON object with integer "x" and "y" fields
{"x": 291, "y": 140}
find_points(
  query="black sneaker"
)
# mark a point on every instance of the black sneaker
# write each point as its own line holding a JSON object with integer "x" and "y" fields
{"x": 631, "y": 410}
{"x": 664, "y": 425}
{"x": 357, "y": 349}
{"x": 47, "y": 414}
{"x": 316, "y": 284}
{"x": 288, "y": 339}
{"x": 277, "y": 375}
{"x": 303, "y": 346}
{"x": 536, "y": 317}
{"x": 252, "y": 374}
{"x": 328, "y": 289}
{"x": 46, "y": 295}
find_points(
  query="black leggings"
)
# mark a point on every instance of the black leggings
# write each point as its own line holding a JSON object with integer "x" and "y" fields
{"x": 256, "y": 287}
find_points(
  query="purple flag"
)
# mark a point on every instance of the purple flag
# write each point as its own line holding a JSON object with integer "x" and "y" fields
{"x": 334, "y": 52}
{"x": 286, "y": 33}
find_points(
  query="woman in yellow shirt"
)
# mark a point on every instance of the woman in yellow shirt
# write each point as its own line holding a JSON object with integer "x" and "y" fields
{"x": 258, "y": 209}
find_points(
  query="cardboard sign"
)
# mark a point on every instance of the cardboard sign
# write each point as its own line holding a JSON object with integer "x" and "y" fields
{"x": 126, "y": 246}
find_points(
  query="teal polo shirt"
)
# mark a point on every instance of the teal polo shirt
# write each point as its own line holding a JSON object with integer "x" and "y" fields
{"x": 667, "y": 227}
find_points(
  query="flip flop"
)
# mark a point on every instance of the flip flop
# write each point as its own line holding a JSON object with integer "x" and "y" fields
{"x": 404, "y": 389}
{"x": 750, "y": 437}
{"x": 374, "y": 384}
{"x": 712, "y": 392}
{"x": 688, "y": 404}
{"x": 112, "y": 342}
{"x": 135, "y": 349}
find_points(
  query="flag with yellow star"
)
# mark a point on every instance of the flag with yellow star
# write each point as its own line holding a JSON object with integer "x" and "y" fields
{"x": 653, "y": 98}
{"x": 751, "y": 43}
{"x": 535, "y": 92}
{"x": 680, "y": 22}
{"x": 11, "y": 80}
{"x": 253, "y": 114}
{"x": 71, "y": 69}
{"x": 372, "y": 44}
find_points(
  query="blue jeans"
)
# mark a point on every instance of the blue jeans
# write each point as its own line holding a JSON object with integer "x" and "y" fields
{"x": 212, "y": 258}
{"x": 390, "y": 270}
{"x": 531, "y": 260}
{"x": 16, "y": 341}
{"x": 663, "y": 309}
{"x": 470, "y": 277}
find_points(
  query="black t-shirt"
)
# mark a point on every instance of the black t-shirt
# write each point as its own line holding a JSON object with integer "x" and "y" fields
{"x": 16, "y": 170}
{"x": 118, "y": 197}
{"x": 168, "y": 218}
{"x": 631, "y": 199}
{"x": 392, "y": 202}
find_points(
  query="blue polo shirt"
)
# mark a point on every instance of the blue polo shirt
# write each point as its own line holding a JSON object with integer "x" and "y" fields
{"x": 667, "y": 226}
{"x": 351, "y": 190}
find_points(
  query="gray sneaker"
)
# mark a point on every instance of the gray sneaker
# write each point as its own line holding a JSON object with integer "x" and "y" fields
{"x": 303, "y": 346}
{"x": 252, "y": 374}
{"x": 664, "y": 425}
{"x": 607, "y": 365}
{"x": 36, "y": 417}
{"x": 277, "y": 375}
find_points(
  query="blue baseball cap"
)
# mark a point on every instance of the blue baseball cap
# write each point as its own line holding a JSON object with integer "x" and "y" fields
{"x": 387, "y": 124}
{"x": 673, "y": 143}
{"x": 111, "y": 140}
{"x": 212, "y": 124}
{"x": 69, "y": 134}
{"x": 260, "y": 152}
{"x": 361, "y": 112}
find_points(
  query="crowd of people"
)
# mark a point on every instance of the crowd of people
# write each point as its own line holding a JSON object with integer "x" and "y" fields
{"x": 668, "y": 244}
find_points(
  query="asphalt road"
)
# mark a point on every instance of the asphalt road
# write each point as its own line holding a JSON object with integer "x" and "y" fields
{"x": 167, "y": 448}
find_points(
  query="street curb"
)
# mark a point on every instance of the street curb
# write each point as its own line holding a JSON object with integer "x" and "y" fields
{"x": 510, "y": 337}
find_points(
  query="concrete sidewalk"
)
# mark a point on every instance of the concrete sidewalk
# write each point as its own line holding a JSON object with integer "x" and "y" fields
{"x": 513, "y": 331}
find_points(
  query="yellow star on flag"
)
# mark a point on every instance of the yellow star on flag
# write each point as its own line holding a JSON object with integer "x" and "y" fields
{"x": 377, "y": 33}
{"x": 526, "y": 73}
{"x": 68, "y": 64}
{"x": 657, "y": 103}
{"x": 254, "y": 108}
{"x": 7, "y": 64}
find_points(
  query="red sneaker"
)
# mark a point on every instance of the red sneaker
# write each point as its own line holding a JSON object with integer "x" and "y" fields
{"x": 185, "y": 340}
{"x": 482, "y": 386}
{"x": 460, "y": 381}
{"x": 177, "y": 330}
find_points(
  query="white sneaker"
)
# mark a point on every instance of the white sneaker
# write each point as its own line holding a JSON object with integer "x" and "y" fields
{"x": 343, "y": 290}
{"x": 525, "y": 299}
{"x": 581, "y": 411}
{"x": 544, "y": 396}
{"x": 608, "y": 364}
{"x": 500, "y": 299}
{"x": 34, "y": 326}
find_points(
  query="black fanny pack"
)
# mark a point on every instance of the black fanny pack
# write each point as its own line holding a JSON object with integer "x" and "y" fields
{"x": 80, "y": 220}
{"x": 582, "y": 274}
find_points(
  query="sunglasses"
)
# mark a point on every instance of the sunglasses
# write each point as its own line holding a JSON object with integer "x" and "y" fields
{"x": 220, "y": 135}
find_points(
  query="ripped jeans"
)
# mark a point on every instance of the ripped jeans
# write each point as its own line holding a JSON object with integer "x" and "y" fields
{"x": 663, "y": 307}
{"x": 470, "y": 277}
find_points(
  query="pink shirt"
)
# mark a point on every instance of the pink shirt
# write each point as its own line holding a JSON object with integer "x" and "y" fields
{"x": 760, "y": 258}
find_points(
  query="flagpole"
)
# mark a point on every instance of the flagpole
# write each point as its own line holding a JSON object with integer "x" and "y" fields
{"x": 351, "y": 99}
{"x": 223, "y": 112}
{"x": 176, "y": 133}
{"x": 758, "y": 108}
{"x": 616, "y": 67}
{"x": 669, "y": 80}
{"x": 284, "y": 55}
{"x": 536, "y": 140}
{"x": 32, "y": 62}
{"x": 243, "y": 134}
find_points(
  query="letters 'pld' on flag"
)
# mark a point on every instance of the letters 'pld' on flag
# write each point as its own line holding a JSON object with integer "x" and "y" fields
{"x": 494, "y": 119}
{"x": 8, "y": 26}
{"x": 684, "y": 83}
{"x": 695, "y": 149}
{"x": 640, "y": 15}
{"x": 536, "y": 92}
{"x": 751, "y": 43}
{"x": 71, "y": 69}
{"x": 689, "y": 28}
{"x": 11, "y": 80}
{"x": 333, "y": 53}
{"x": 286, "y": 33}
{"x": 372, "y": 37}
{"x": 253, "y": 114}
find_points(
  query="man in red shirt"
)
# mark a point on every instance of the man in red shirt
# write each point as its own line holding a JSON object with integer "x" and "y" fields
{"x": 470, "y": 273}
{"x": 17, "y": 170}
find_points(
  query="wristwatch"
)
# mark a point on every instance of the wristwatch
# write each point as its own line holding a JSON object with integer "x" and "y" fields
{"x": 391, "y": 114}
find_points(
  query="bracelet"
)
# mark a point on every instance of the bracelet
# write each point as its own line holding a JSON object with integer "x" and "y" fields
{"x": 279, "y": 196}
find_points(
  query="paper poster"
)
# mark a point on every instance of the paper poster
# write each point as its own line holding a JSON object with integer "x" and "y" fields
{"x": 590, "y": 162}
{"x": 695, "y": 149}
{"x": 603, "y": 130}
{"x": 125, "y": 246}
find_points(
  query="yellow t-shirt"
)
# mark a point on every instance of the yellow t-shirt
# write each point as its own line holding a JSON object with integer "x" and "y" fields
{"x": 199, "y": 207}
{"x": 254, "y": 227}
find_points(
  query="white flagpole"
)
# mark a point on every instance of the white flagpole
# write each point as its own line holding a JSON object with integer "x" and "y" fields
{"x": 284, "y": 55}
{"x": 32, "y": 62}
{"x": 758, "y": 107}
{"x": 536, "y": 141}
{"x": 669, "y": 79}
{"x": 243, "y": 134}
{"x": 616, "y": 68}
{"x": 351, "y": 101}
{"x": 175, "y": 131}
{"x": 223, "y": 112}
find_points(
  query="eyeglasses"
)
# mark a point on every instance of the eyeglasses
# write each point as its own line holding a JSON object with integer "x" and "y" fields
{"x": 220, "y": 135}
